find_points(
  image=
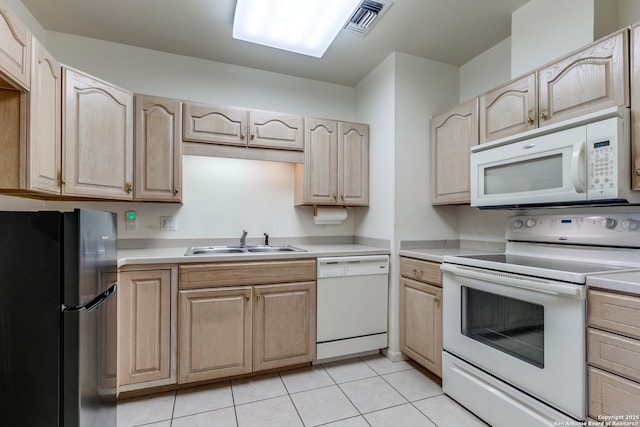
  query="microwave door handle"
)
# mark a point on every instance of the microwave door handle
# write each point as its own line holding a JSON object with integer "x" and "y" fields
{"x": 578, "y": 166}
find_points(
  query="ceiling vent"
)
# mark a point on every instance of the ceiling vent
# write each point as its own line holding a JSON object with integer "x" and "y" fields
{"x": 366, "y": 15}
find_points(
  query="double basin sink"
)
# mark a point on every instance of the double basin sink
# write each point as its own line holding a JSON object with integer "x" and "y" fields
{"x": 212, "y": 250}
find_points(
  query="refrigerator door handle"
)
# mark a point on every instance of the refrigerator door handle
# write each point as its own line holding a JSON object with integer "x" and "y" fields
{"x": 94, "y": 303}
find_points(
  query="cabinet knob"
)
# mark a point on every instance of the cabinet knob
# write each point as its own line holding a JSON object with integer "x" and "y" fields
{"x": 176, "y": 191}
{"x": 128, "y": 187}
{"x": 335, "y": 199}
{"x": 258, "y": 297}
{"x": 242, "y": 136}
{"x": 637, "y": 171}
{"x": 437, "y": 300}
{"x": 247, "y": 297}
{"x": 530, "y": 120}
{"x": 252, "y": 137}
{"x": 418, "y": 273}
{"x": 543, "y": 115}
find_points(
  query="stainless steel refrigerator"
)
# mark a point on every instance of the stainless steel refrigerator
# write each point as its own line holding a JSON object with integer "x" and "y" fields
{"x": 58, "y": 318}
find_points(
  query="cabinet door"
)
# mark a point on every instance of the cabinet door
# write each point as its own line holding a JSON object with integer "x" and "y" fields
{"x": 421, "y": 323}
{"x": 44, "y": 142}
{"x": 15, "y": 49}
{"x": 509, "y": 109}
{"x": 284, "y": 325}
{"x": 215, "y": 333}
{"x": 97, "y": 138}
{"x": 353, "y": 164}
{"x": 452, "y": 135}
{"x": 635, "y": 107}
{"x": 594, "y": 78}
{"x": 276, "y": 130}
{"x": 145, "y": 327}
{"x": 320, "y": 162}
{"x": 214, "y": 124}
{"x": 158, "y": 149}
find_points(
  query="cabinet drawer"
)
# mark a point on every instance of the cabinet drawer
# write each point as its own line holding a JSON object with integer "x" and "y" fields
{"x": 424, "y": 271}
{"x": 615, "y": 312}
{"x": 612, "y": 395}
{"x": 246, "y": 273}
{"x": 614, "y": 353}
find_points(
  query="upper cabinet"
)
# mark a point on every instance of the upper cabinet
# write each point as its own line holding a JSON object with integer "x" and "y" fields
{"x": 215, "y": 124}
{"x": 158, "y": 149}
{"x": 452, "y": 135}
{"x": 635, "y": 107}
{"x": 97, "y": 135}
{"x": 336, "y": 164}
{"x": 509, "y": 109}
{"x": 15, "y": 50}
{"x": 585, "y": 81}
{"x": 44, "y": 145}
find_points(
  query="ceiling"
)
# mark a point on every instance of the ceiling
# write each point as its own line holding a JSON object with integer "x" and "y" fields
{"x": 449, "y": 31}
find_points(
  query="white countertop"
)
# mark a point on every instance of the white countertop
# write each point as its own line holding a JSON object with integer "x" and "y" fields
{"x": 176, "y": 255}
{"x": 436, "y": 254}
{"x": 627, "y": 281}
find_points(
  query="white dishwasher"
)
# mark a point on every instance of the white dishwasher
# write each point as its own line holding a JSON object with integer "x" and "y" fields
{"x": 351, "y": 305}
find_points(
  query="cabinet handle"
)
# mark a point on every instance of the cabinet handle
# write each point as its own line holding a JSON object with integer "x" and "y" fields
{"x": 543, "y": 115}
{"x": 247, "y": 297}
{"x": 335, "y": 199}
{"x": 530, "y": 120}
{"x": 342, "y": 197}
{"x": 418, "y": 273}
{"x": 252, "y": 137}
{"x": 176, "y": 191}
{"x": 637, "y": 172}
{"x": 128, "y": 187}
{"x": 437, "y": 300}
{"x": 242, "y": 136}
{"x": 258, "y": 297}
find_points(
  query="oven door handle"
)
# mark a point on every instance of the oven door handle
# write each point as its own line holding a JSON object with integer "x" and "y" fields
{"x": 517, "y": 281}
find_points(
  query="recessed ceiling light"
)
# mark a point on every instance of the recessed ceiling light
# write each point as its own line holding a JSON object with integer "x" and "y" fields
{"x": 302, "y": 26}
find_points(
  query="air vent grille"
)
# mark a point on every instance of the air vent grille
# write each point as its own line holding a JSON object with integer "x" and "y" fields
{"x": 366, "y": 15}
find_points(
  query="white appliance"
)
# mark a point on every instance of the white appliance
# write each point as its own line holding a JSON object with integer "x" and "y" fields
{"x": 585, "y": 161}
{"x": 514, "y": 323}
{"x": 352, "y": 297}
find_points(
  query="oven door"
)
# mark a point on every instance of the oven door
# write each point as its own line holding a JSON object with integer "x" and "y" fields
{"x": 546, "y": 169}
{"x": 525, "y": 331}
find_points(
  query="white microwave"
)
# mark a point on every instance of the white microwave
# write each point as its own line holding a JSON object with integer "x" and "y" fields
{"x": 586, "y": 161}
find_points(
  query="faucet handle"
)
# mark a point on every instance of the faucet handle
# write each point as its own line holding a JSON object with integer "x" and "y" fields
{"x": 266, "y": 239}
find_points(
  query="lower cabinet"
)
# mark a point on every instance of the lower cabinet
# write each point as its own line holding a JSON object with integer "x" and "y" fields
{"x": 421, "y": 313}
{"x": 147, "y": 332}
{"x": 613, "y": 354}
{"x": 257, "y": 325}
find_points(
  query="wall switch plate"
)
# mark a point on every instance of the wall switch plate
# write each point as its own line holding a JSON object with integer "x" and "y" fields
{"x": 168, "y": 223}
{"x": 130, "y": 218}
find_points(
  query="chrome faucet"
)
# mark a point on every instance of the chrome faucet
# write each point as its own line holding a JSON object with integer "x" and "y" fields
{"x": 243, "y": 238}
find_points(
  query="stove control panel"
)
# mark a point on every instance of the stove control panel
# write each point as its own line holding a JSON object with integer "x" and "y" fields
{"x": 617, "y": 229}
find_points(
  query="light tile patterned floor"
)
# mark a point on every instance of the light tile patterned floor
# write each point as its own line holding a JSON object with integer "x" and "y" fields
{"x": 367, "y": 391}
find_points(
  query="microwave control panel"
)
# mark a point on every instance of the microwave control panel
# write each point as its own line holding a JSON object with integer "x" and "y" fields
{"x": 603, "y": 166}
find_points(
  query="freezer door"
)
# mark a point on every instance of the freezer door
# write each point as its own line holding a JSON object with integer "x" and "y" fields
{"x": 90, "y": 327}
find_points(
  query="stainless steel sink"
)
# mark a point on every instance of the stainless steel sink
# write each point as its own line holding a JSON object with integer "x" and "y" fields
{"x": 212, "y": 250}
{"x": 285, "y": 248}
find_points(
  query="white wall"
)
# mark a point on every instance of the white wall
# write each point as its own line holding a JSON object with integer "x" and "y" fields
{"x": 486, "y": 71}
{"x": 628, "y": 12}
{"x": 544, "y": 30}
{"x": 220, "y": 196}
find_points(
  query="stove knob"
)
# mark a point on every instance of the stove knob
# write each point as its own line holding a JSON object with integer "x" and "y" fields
{"x": 631, "y": 224}
{"x": 518, "y": 223}
{"x": 609, "y": 223}
{"x": 530, "y": 223}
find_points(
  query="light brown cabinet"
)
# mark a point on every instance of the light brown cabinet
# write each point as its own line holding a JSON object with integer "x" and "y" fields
{"x": 241, "y": 317}
{"x": 509, "y": 109}
{"x": 336, "y": 164}
{"x": 158, "y": 149}
{"x": 591, "y": 79}
{"x": 15, "y": 50}
{"x": 147, "y": 338}
{"x": 421, "y": 312}
{"x": 635, "y": 107}
{"x": 453, "y": 133}
{"x": 97, "y": 138}
{"x": 31, "y": 146}
{"x": 613, "y": 353}
{"x": 216, "y": 124}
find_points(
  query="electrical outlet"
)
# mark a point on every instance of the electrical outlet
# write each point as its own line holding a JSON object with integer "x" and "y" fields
{"x": 168, "y": 223}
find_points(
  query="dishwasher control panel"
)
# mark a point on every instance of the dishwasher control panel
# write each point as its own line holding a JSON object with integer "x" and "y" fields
{"x": 364, "y": 265}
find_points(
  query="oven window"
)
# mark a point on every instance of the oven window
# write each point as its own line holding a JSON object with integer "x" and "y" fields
{"x": 540, "y": 173}
{"x": 509, "y": 325}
